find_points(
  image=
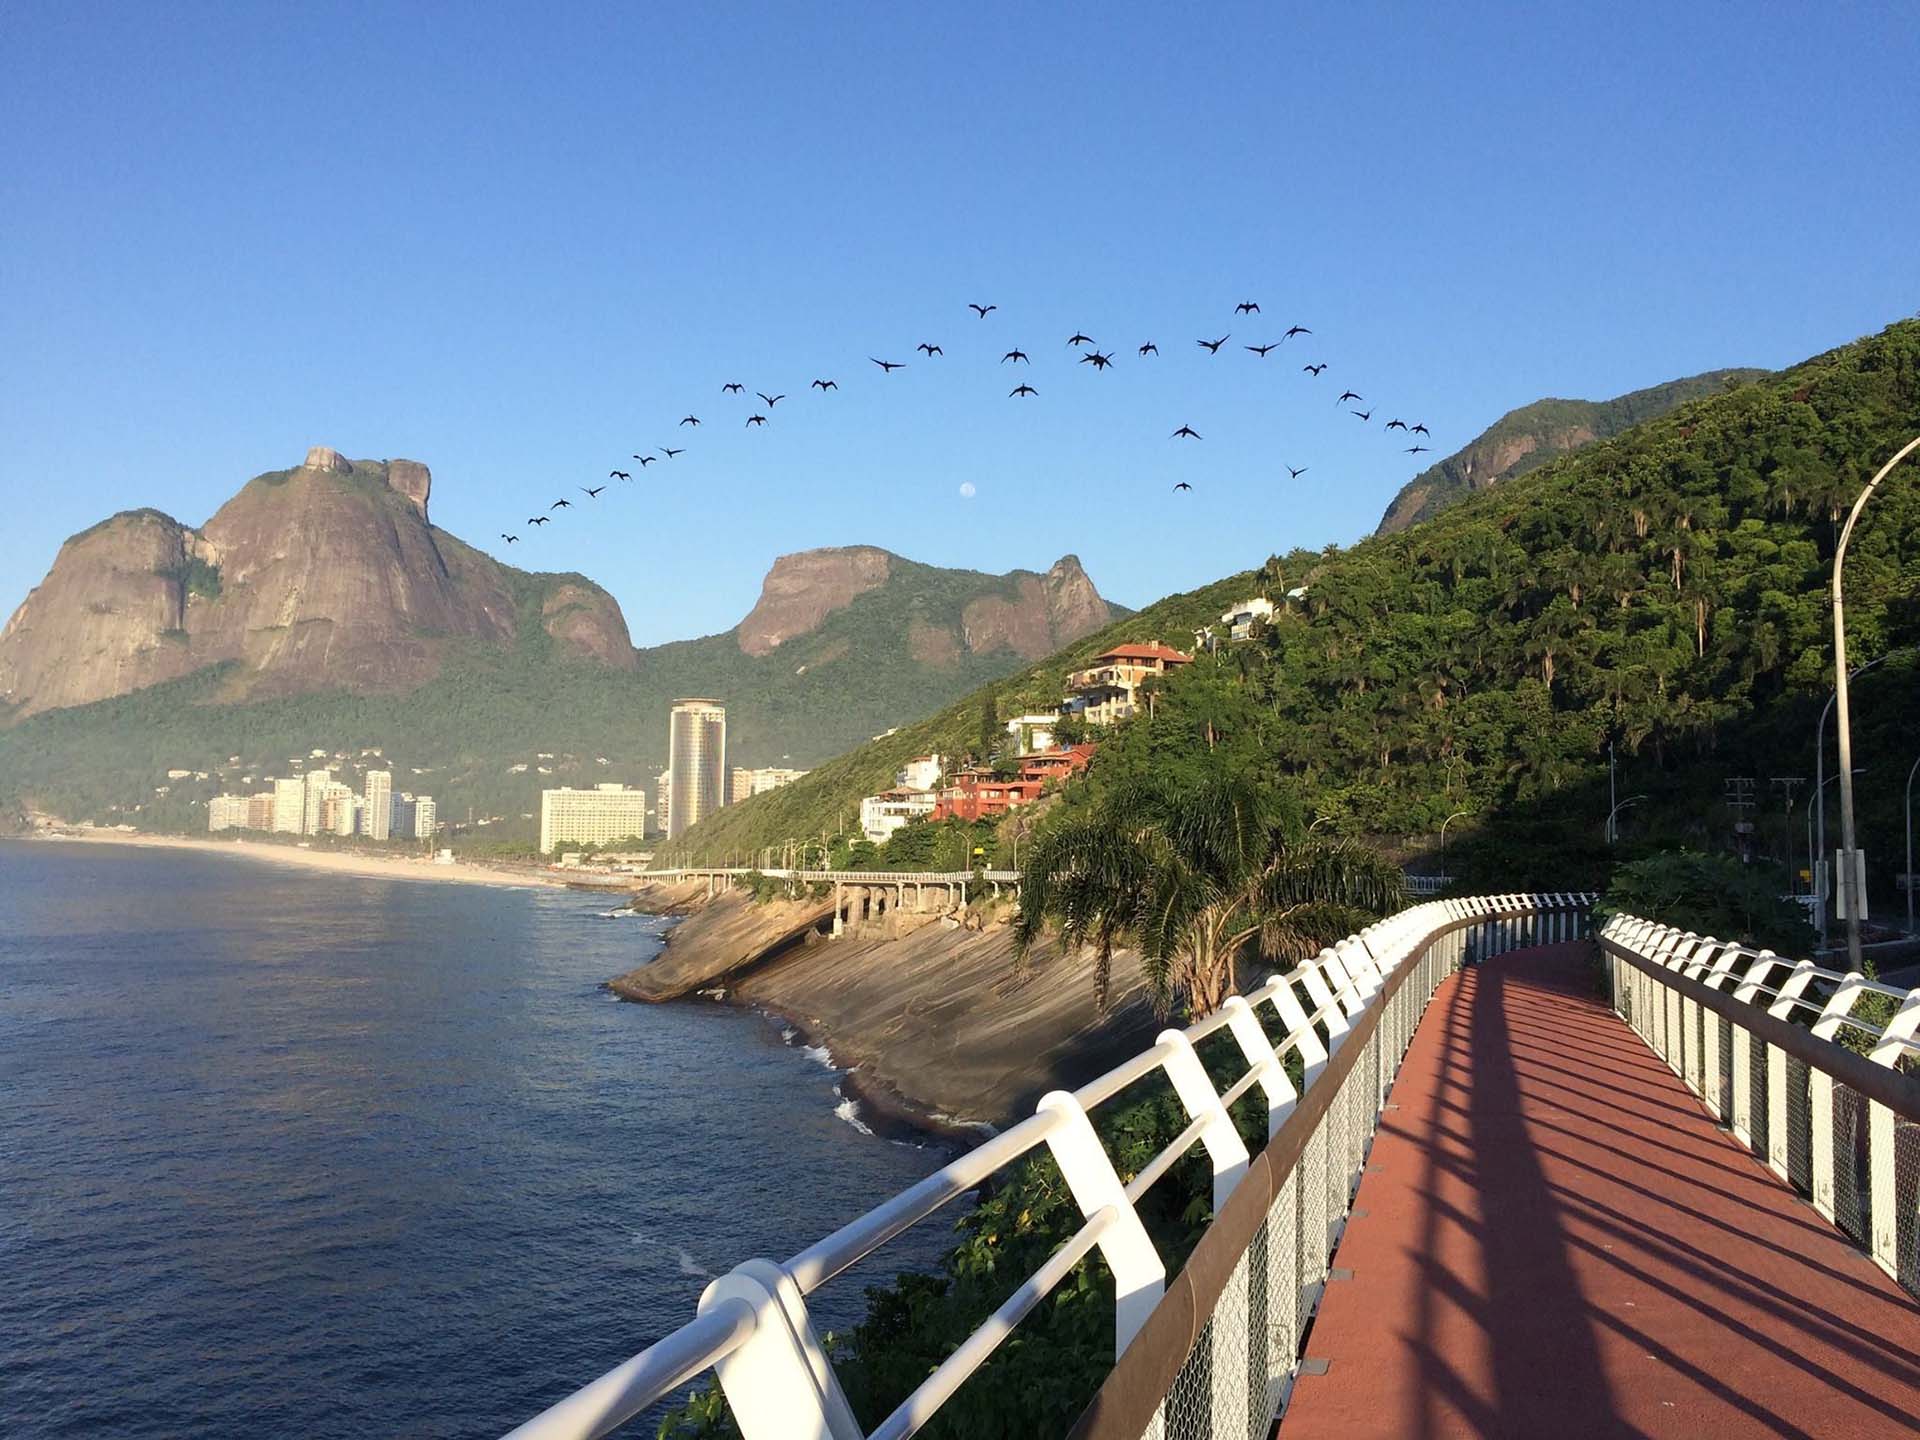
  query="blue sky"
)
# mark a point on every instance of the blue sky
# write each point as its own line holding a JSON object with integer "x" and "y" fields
{"x": 519, "y": 243}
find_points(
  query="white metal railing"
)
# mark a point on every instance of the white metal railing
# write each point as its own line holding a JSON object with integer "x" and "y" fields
{"x": 752, "y": 1327}
{"x": 1813, "y": 1070}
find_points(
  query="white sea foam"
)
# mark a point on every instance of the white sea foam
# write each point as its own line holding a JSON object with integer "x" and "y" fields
{"x": 691, "y": 1266}
{"x": 819, "y": 1053}
{"x": 849, "y": 1111}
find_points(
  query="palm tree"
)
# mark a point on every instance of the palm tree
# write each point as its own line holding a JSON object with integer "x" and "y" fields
{"x": 1192, "y": 875}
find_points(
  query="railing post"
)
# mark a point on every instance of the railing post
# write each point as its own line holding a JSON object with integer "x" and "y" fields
{"x": 1293, "y": 1018}
{"x": 1820, "y": 1095}
{"x": 1197, "y": 1095}
{"x": 779, "y": 1384}
{"x": 1139, "y": 1276}
{"x": 1247, "y": 1030}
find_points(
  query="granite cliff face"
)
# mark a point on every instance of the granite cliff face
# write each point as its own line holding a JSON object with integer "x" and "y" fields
{"x": 326, "y": 576}
{"x": 802, "y": 590}
{"x": 1028, "y": 614}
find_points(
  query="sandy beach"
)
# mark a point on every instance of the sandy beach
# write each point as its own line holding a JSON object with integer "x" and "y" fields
{"x": 379, "y": 867}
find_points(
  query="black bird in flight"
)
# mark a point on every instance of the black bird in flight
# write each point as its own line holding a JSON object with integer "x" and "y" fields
{"x": 1264, "y": 350}
{"x": 591, "y": 494}
{"x": 691, "y": 420}
{"x": 1296, "y": 330}
{"x": 1293, "y": 474}
{"x": 1314, "y": 370}
{"x": 825, "y": 385}
{"x": 756, "y": 420}
{"x": 1186, "y": 430}
{"x": 1021, "y": 390}
{"x": 671, "y": 453}
{"x": 1019, "y": 355}
{"x": 1246, "y": 307}
{"x": 889, "y": 366}
{"x": 1396, "y": 424}
{"x": 1421, "y": 430}
{"x": 1416, "y": 449}
{"x": 646, "y": 460}
{"x": 538, "y": 519}
{"x": 1212, "y": 347}
{"x": 772, "y": 400}
{"x": 561, "y": 505}
{"x": 1183, "y": 485}
{"x": 1346, "y": 395}
{"x": 510, "y": 539}
{"x": 982, "y": 310}
{"x": 1097, "y": 360}
{"x": 1364, "y": 415}
{"x": 1149, "y": 349}
{"x": 931, "y": 350}
{"x": 618, "y": 475}
{"x": 1078, "y": 339}
{"x": 733, "y": 387}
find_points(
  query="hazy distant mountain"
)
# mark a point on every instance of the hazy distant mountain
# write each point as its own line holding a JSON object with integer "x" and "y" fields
{"x": 1534, "y": 434}
{"x": 319, "y": 608}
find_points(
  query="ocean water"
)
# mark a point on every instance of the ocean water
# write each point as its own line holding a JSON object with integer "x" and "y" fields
{"x": 292, "y": 1153}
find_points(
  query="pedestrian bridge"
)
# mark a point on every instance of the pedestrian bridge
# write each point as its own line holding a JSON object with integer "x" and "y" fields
{"x": 1519, "y": 1179}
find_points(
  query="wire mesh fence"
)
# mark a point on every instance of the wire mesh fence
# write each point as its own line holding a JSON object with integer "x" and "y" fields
{"x": 1759, "y": 1112}
{"x": 1799, "y": 1126}
{"x": 1852, "y": 1190}
{"x": 1906, "y": 1205}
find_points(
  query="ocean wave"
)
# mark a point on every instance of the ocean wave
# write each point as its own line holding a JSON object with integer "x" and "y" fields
{"x": 819, "y": 1054}
{"x": 849, "y": 1111}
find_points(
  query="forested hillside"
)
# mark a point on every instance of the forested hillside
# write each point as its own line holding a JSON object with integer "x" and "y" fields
{"x": 1662, "y": 592}
{"x": 1527, "y": 438}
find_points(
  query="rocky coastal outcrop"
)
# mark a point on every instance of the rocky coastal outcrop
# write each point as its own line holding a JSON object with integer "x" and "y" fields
{"x": 933, "y": 1015}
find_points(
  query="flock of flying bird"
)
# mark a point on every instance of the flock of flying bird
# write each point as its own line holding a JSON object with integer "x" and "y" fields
{"x": 1090, "y": 354}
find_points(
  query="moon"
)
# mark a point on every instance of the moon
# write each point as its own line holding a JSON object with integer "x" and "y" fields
{"x": 967, "y": 492}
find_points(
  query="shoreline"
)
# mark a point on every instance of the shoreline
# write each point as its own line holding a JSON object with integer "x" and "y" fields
{"x": 336, "y": 862}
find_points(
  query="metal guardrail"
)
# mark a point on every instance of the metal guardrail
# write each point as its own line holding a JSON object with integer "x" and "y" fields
{"x": 1221, "y": 1339}
{"x": 1764, "y": 1042}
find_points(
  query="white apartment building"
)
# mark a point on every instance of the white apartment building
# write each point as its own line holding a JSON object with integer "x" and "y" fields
{"x": 1033, "y": 733}
{"x": 317, "y": 782}
{"x": 749, "y": 783}
{"x": 379, "y": 805}
{"x": 227, "y": 812}
{"x": 1240, "y": 618}
{"x": 923, "y": 772}
{"x": 882, "y": 814}
{"x": 426, "y": 818}
{"x": 289, "y": 806}
{"x": 591, "y": 817}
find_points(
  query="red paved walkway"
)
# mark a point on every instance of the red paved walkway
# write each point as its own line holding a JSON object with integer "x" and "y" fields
{"x": 1557, "y": 1241}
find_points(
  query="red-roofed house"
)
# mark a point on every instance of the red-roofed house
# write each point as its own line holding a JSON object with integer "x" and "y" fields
{"x": 1054, "y": 765}
{"x": 1108, "y": 690}
{"x": 977, "y": 795}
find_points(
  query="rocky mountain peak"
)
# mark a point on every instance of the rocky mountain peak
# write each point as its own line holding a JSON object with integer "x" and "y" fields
{"x": 801, "y": 590}
{"x": 413, "y": 480}
{"x": 319, "y": 457}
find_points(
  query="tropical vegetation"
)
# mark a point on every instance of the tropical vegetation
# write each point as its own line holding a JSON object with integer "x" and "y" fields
{"x": 1194, "y": 876}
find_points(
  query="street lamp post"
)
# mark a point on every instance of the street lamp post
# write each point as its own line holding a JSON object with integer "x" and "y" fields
{"x": 1630, "y": 800}
{"x": 1916, "y": 766}
{"x": 1851, "y": 878}
{"x": 1817, "y": 853}
{"x": 1445, "y": 873}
